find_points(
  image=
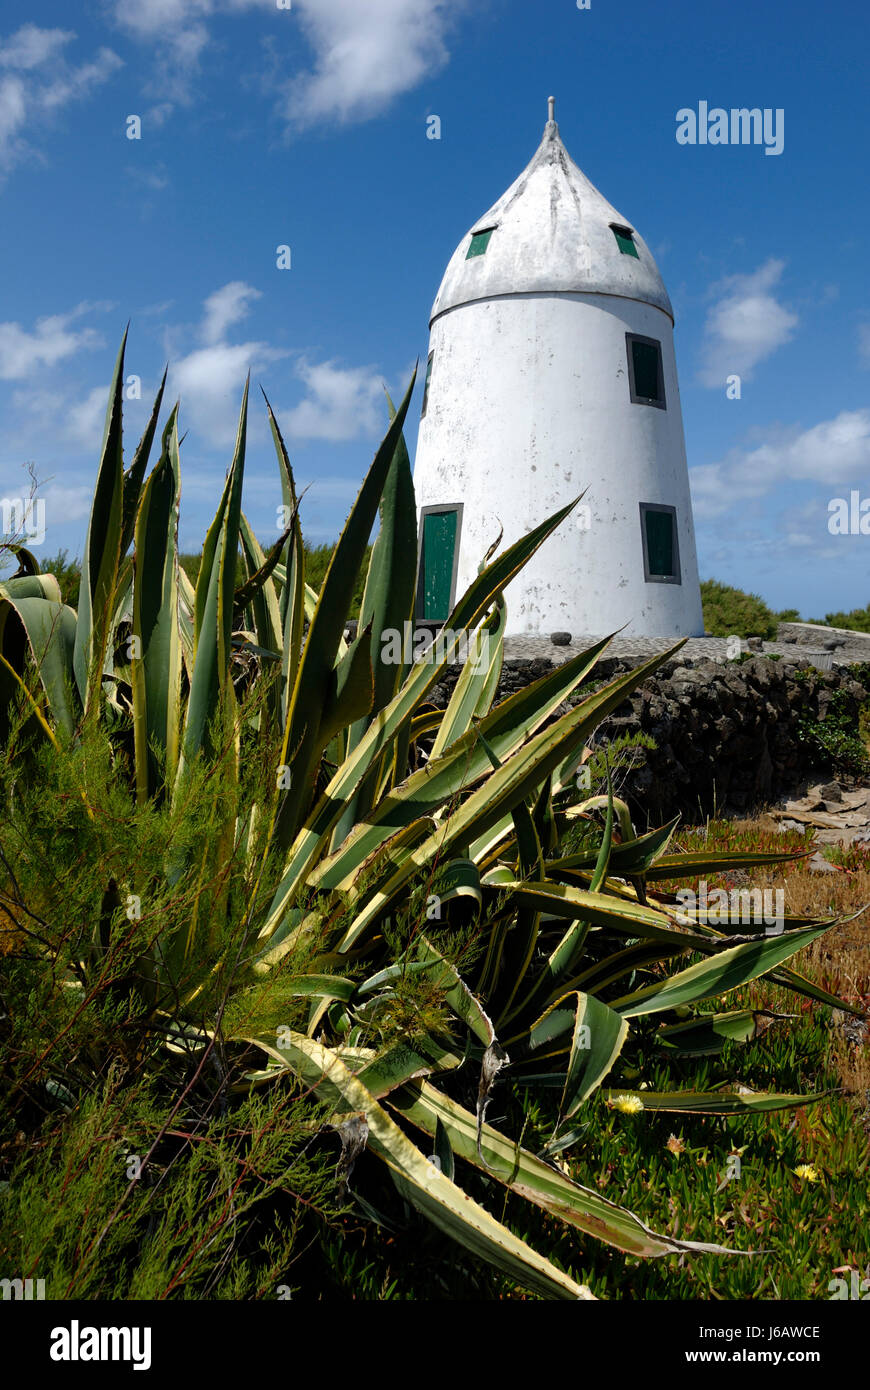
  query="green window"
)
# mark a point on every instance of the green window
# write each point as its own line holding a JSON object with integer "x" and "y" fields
{"x": 625, "y": 240}
{"x": 438, "y": 556}
{"x": 646, "y": 378}
{"x": 479, "y": 242}
{"x": 661, "y": 556}
{"x": 426, "y": 387}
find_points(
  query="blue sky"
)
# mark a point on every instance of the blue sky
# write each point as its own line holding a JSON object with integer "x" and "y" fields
{"x": 307, "y": 127}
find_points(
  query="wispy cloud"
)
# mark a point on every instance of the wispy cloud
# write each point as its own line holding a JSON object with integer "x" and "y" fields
{"x": 209, "y": 379}
{"x": 23, "y": 351}
{"x": 833, "y": 453}
{"x": 745, "y": 325}
{"x": 366, "y": 53}
{"x": 179, "y": 31}
{"x": 85, "y": 419}
{"x": 37, "y": 83}
{"x": 225, "y": 307}
{"x": 342, "y": 403}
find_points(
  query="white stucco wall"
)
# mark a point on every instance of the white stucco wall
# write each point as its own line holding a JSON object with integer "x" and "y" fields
{"x": 529, "y": 404}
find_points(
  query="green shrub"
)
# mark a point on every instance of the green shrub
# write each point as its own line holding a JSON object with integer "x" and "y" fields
{"x": 729, "y": 612}
{"x": 857, "y": 621}
{"x": 836, "y": 742}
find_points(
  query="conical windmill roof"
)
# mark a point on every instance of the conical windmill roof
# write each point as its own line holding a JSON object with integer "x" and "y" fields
{"x": 553, "y": 233}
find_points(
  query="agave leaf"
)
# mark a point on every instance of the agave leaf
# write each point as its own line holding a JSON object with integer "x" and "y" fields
{"x": 717, "y": 974}
{"x": 156, "y": 669}
{"x": 42, "y": 586}
{"x": 457, "y": 994}
{"x": 49, "y": 628}
{"x": 406, "y": 1061}
{"x": 707, "y": 1035}
{"x": 443, "y": 1151}
{"x": 102, "y": 552}
{"x": 597, "y": 1038}
{"x": 715, "y": 1102}
{"x": 465, "y": 762}
{"x": 186, "y": 606}
{"x": 475, "y": 684}
{"x": 294, "y": 593}
{"x": 425, "y": 1185}
{"x": 602, "y": 861}
{"x": 260, "y": 570}
{"x": 423, "y": 1105}
{"x": 694, "y": 863}
{"x": 27, "y": 561}
{"x": 633, "y": 857}
{"x": 510, "y": 951}
{"x": 790, "y": 979}
{"x": 603, "y": 973}
{"x": 393, "y": 719}
{"x": 135, "y": 474}
{"x": 213, "y": 608}
{"x": 350, "y": 688}
{"x": 304, "y": 737}
{"x": 518, "y": 777}
{"x": 387, "y": 605}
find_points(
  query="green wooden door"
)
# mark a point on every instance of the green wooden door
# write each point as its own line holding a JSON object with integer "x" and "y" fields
{"x": 436, "y": 564}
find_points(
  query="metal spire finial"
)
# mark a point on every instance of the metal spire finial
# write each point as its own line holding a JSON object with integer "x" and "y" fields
{"x": 551, "y": 103}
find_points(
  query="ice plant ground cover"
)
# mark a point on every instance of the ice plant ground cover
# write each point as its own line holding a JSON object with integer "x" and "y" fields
{"x": 249, "y": 873}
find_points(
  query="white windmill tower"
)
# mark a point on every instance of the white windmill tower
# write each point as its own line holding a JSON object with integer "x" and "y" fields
{"x": 551, "y": 371}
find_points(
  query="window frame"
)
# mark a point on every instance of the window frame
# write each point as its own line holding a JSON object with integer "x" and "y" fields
{"x": 677, "y": 576}
{"x": 438, "y": 507}
{"x": 480, "y": 231}
{"x": 631, "y": 338}
{"x": 627, "y": 234}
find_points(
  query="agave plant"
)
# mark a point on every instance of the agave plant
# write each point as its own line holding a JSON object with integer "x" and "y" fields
{"x": 383, "y": 812}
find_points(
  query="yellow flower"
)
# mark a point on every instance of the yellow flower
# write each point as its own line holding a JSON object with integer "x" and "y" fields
{"x": 629, "y": 1105}
{"x": 806, "y": 1172}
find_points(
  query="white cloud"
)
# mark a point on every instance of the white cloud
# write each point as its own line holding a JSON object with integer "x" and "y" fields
{"x": 85, "y": 420}
{"x": 225, "y": 307}
{"x": 31, "y": 46}
{"x": 342, "y": 403}
{"x": 154, "y": 19}
{"x": 745, "y": 325}
{"x": 209, "y": 379}
{"x": 833, "y": 453}
{"x": 51, "y": 340}
{"x": 37, "y": 82}
{"x": 155, "y": 180}
{"x": 179, "y": 31}
{"x": 366, "y": 53}
{"x": 65, "y": 504}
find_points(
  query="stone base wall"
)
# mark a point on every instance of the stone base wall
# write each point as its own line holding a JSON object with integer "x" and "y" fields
{"x": 726, "y": 733}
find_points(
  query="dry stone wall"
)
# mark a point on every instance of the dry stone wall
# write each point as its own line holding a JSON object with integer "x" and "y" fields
{"x": 727, "y": 734}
